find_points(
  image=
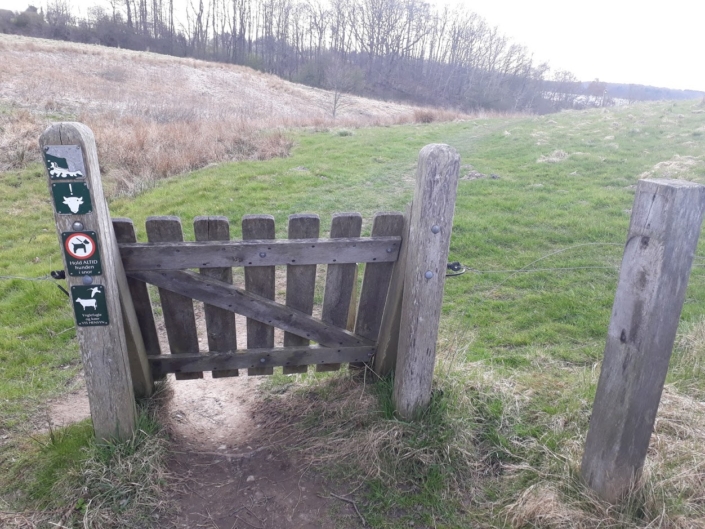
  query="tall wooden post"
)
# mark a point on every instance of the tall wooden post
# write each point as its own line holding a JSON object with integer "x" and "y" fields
{"x": 663, "y": 236}
{"x": 92, "y": 265}
{"x": 430, "y": 228}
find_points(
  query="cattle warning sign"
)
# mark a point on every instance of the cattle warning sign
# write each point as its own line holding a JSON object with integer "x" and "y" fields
{"x": 71, "y": 198}
{"x": 82, "y": 254}
{"x": 89, "y": 305}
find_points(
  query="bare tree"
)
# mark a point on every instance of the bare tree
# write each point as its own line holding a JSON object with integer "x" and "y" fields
{"x": 341, "y": 80}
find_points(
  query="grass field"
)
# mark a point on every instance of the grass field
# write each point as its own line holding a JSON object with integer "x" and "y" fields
{"x": 522, "y": 330}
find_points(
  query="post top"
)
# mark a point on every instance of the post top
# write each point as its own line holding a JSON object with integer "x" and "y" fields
{"x": 671, "y": 182}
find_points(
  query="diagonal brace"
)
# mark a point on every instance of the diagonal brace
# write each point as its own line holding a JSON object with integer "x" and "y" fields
{"x": 228, "y": 297}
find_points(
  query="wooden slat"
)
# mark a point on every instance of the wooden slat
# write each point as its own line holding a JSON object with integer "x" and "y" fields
{"x": 259, "y": 280}
{"x": 300, "y": 282}
{"x": 179, "y": 318}
{"x": 388, "y": 339}
{"x": 125, "y": 233}
{"x": 184, "y": 255}
{"x": 248, "y": 358}
{"x": 220, "y": 323}
{"x": 252, "y": 306}
{"x": 340, "y": 279}
{"x": 375, "y": 283}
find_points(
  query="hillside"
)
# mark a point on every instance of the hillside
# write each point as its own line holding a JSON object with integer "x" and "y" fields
{"x": 156, "y": 115}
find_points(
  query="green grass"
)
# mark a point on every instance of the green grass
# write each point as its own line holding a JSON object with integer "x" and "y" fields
{"x": 38, "y": 354}
{"x": 520, "y": 347}
{"x": 67, "y": 477}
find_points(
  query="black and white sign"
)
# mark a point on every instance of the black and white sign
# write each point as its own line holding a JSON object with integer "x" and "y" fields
{"x": 64, "y": 162}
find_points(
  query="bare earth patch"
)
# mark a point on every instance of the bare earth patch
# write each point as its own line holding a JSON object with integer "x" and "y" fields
{"x": 232, "y": 470}
{"x": 70, "y": 408}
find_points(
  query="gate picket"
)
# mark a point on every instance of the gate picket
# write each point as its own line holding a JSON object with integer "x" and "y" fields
{"x": 220, "y": 324}
{"x": 340, "y": 279}
{"x": 375, "y": 283}
{"x": 300, "y": 281}
{"x": 125, "y": 233}
{"x": 259, "y": 280}
{"x": 179, "y": 318}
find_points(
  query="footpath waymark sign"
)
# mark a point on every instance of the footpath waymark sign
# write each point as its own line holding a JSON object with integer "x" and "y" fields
{"x": 89, "y": 305}
{"x": 64, "y": 162}
{"x": 82, "y": 254}
{"x": 71, "y": 198}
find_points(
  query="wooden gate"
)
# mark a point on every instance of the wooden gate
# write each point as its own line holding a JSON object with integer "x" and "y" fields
{"x": 392, "y": 327}
{"x": 166, "y": 259}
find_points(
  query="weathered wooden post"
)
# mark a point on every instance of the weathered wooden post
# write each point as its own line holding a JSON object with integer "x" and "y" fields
{"x": 95, "y": 275}
{"x": 428, "y": 243}
{"x": 663, "y": 236}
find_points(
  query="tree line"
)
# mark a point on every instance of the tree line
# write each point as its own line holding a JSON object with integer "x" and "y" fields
{"x": 405, "y": 50}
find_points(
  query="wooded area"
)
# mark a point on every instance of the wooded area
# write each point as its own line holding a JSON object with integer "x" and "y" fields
{"x": 398, "y": 49}
{"x": 405, "y": 50}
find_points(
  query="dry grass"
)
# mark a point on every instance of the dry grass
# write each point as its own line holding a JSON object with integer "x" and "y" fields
{"x": 18, "y": 139}
{"x": 671, "y": 490}
{"x": 556, "y": 156}
{"x": 472, "y": 433}
{"x": 155, "y": 116}
{"x": 682, "y": 167}
{"x": 344, "y": 423}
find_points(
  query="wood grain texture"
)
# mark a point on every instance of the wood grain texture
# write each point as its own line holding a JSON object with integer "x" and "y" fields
{"x": 252, "y": 306}
{"x": 259, "y": 280}
{"x": 125, "y": 233}
{"x": 340, "y": 279}
{"x": 104, "y": 353}
{"x": 141, "y": 301}
{"x": 434, "y": 203}
{"x": 662, "y": 240}
{"x": 184, "y": 255}
{"x": 179, "y": 317}
{"x": 388, "y": 341}
{"x": 220, "y": 324}
{"x": 375, "y": 283}
{"x": 300, "y": 282}
{"x": 250, "y": 358}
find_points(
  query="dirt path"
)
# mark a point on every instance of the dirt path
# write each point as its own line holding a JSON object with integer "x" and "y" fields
{"x": 234, "y": 475}
{"x": 232, "y": 471}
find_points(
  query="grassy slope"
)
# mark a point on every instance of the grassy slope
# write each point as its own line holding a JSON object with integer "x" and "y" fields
{"x": 516, "y": 326}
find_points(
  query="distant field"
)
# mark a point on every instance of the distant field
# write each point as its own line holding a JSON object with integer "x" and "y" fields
{"x": 522, "y": 330}
{"x": 155, "y": 116}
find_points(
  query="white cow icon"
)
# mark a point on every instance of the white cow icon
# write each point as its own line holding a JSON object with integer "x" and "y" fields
{"x": 73, "y": 203}
{"x": 85, "y": 303}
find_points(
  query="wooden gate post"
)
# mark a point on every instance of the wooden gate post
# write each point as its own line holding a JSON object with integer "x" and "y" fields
{"x": 663, "y": 236}
{"x": 428, "y": 243}
{"x": 92, "y": 265}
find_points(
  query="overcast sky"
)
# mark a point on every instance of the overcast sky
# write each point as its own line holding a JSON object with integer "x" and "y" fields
{"x": 620, "y": 41}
